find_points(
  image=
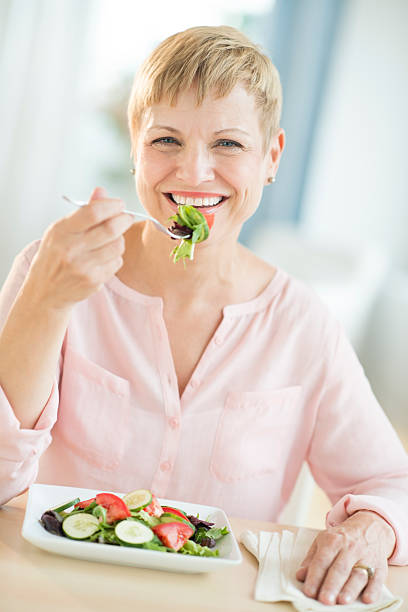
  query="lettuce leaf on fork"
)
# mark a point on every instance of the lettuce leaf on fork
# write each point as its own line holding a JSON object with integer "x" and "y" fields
{"x": 189, "y": 217}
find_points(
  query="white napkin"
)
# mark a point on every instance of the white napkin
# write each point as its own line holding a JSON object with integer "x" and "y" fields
{"x": 280, "y": 555}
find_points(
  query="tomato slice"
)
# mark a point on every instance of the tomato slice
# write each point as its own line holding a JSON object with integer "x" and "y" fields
{"x": 116, "y": 507}
{"x": 154, "y": 508}
{"x": 210, "y": 220}
{"x": 175, "y": 511}
{"x": 84, "y": 504}
{"x": 173, "y": 535}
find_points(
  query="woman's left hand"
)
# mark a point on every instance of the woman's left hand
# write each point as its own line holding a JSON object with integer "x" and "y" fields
{"x": 328, "y": 570}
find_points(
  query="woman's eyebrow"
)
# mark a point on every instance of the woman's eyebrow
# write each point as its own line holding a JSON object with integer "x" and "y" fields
{"x": 232, "y": 130}
{"x": 175, "y": 131}
{"x": 164, "y": 127}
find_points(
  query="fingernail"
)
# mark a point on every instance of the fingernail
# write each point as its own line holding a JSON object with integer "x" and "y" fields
{"x": 98, "y": 192}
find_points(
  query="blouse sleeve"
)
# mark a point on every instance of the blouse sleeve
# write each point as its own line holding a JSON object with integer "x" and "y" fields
{"x": 20, "y": 449}
{"x": 355, "y": 454}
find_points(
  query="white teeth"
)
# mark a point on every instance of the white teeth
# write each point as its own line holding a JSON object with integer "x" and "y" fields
{"x": 196, "y": 201}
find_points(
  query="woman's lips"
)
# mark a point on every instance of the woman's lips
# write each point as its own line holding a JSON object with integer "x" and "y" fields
{"x": 198, "y": 194}
{"x": 204, "y": 209}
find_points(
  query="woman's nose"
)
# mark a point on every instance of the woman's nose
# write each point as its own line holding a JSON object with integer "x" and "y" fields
{"x": 194, "y": 166}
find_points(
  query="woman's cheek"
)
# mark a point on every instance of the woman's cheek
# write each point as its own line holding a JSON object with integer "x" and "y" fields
{"x": 151, "y": 171}
{"x": 151, "y": 164}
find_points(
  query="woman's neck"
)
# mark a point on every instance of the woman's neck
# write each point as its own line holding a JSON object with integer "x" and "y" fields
{"x": 223, "y": 272}
{"x": 149, "y": 267}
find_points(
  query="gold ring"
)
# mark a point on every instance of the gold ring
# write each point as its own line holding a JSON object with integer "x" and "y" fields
{"x": 370, "y": 570}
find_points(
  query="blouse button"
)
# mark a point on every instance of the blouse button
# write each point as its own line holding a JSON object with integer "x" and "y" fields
{"x": 165, "y": 466}
{"x": 173, "y": 422}
{"x": 194, "y": 383}
{"x": 218, "y": 340}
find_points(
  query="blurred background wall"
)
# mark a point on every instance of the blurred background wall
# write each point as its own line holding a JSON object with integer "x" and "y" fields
{"x": 337, "y": 215}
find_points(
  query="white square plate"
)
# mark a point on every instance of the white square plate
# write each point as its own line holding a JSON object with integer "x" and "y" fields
{"x": 43, "y": 497}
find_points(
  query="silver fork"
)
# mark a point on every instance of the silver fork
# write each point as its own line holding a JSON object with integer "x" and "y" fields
{"x": 160, "y": 226}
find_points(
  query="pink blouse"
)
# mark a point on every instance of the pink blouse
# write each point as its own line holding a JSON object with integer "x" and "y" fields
{"x": 278, "y": 384}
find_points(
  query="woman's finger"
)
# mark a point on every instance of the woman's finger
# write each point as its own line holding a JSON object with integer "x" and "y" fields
{"x": 106, "y": 253}
{"x": 108, "y": 231}
{"x": 336, "y": 577}
{"x": 327, "y": 548}
{"x": 302, "y": 571}
{"x": 352, "y": 588}
{"x": 92, "y": 214}
{"x": 372, "y": 592}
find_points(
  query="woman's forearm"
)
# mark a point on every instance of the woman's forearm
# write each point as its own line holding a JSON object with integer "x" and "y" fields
{"x": 77, "y": 255}
{"x": 30, "y": 345}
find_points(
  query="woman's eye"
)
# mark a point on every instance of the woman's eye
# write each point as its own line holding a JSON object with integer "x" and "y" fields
{"x": 229, "y": 144}
{"x": 165, "y": 140}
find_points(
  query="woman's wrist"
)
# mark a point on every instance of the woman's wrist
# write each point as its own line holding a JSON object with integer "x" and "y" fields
{"x": 386, "y": 529}
{"x": 39, "y": 299}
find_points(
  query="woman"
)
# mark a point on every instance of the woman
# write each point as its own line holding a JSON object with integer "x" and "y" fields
{"x": 210, "y": 383}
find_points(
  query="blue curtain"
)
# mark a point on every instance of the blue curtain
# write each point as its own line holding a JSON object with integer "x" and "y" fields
{"x": 299, "y": 36}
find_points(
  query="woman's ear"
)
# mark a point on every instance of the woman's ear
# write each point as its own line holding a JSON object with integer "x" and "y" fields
{"x": 274, "y": 154}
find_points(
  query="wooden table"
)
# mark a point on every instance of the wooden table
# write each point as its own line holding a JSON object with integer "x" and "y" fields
{"x": 33, "y": 580}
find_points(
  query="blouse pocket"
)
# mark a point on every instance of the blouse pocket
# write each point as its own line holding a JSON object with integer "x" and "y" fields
{"x": 255, "y": 432}
{"x": 93, "y": 410}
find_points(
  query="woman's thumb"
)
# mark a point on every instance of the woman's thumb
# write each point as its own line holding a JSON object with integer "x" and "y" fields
{"x": 99, "y": 193}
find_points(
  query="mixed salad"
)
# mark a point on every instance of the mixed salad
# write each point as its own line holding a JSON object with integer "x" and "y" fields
{"x": 138, "y": 520}
{"x": 193, "y": 226}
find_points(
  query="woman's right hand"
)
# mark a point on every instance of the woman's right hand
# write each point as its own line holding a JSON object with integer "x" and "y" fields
{"x": 80, "y": 252}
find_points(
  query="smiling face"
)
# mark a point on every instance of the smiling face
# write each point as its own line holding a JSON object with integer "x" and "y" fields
{"x": 211, "y": 156}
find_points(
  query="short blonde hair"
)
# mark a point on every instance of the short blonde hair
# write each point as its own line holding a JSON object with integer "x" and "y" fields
{"x": 213, "y": 59}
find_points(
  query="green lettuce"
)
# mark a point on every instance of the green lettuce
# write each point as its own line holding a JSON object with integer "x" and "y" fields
{"x": 145, "y": 517}
{"x": 217, "y": 532}
{"x": 192, "y": 548}
{"x": 190, "y": 217}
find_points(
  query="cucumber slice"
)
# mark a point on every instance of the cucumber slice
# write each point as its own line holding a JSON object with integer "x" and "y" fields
{"x": 80, "y": 526}
{"x": 131, "y": 531}
{"x": 67, "y": 505}
{"x": 168, "y": 517}
{"x": 137, "y": 500}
